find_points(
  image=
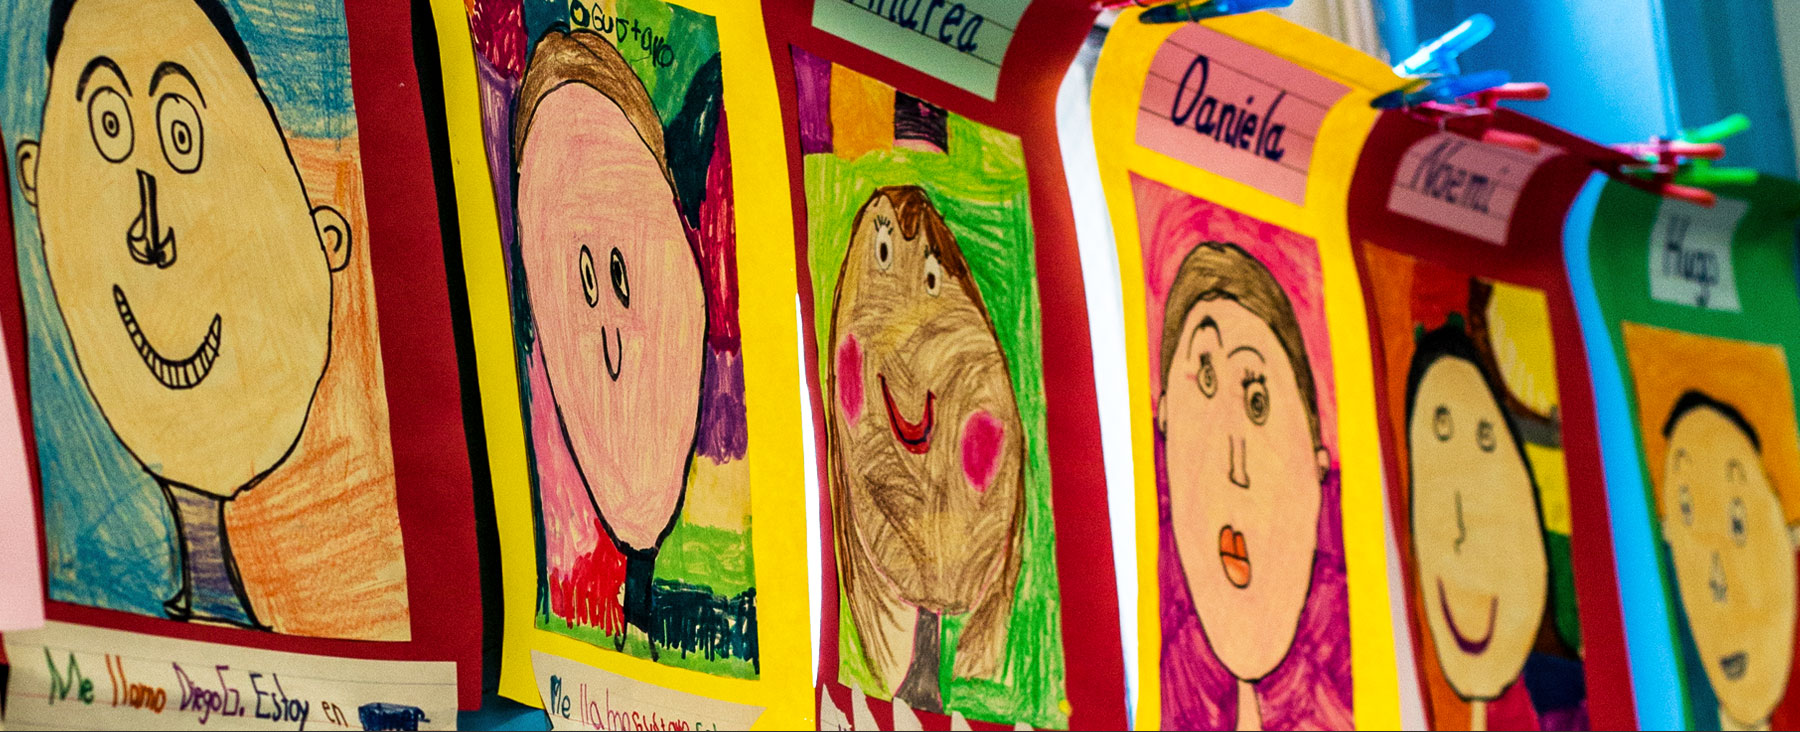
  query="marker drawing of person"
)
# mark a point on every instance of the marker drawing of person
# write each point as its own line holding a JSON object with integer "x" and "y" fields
{"x": 1733, "y": 552}
{"x": 1245, "y": 467}
{"x": 193, "y": 274}
{"x": 610, "y": 278}
{"x": 1477, "y": 529}
{"x": 926, "y": 452}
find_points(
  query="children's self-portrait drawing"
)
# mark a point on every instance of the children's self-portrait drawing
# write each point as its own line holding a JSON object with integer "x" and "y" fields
{"x": 1251, "y": 574}
{"x": 920, "y": 251}
{"x": 1721, "y": 450}
{"x": 207, "y": 384}
{"x": 625, "y": 328}
{"x": 1473, "y": 395}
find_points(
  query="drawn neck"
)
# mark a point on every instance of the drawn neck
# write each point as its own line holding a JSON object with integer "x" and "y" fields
{"x": 1249, "y": 709}
{"x": 921, "y": 689}
{"x": 640, "y": 603}
{"x": 1478, "y": 716}
{"x": 211, "y": 590}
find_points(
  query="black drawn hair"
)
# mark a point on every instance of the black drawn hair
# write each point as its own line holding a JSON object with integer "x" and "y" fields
{"x": 1451, "y": 341}
{"x": 215, "y": 11}
{"x": 1692, "y": 400}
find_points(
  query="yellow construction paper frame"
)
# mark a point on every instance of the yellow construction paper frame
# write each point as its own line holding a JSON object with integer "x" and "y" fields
{"x": 1118, "y": 83}
{"x": 771, "y": 373}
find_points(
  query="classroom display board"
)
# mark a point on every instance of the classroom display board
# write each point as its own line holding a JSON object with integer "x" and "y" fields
{"x": 966, "y": 573}
{"x": 1226, "y": 149}
{"x": 1698, "y": 307}
{"x": 237, "y": 344}
{"x": 634, "y": 333}
{"x": 1494, "y": 475}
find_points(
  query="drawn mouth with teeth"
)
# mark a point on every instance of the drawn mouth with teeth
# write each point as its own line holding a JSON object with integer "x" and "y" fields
{"x": 185, "y": 373}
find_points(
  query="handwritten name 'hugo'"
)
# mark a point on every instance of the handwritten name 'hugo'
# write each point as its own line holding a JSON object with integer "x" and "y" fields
{"x": 1699, "y": 266}
{"x": 581, "y": 15}
{"x": 956, "y": 27}
{"x": 1240, "y": 127}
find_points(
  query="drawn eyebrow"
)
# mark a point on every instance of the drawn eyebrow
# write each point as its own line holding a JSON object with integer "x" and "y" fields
{"x": 1206, "y": 322}
{"x": 1253, "y": 352}
{"x": 87, "y": 72}
{"x": 170, "y": 67}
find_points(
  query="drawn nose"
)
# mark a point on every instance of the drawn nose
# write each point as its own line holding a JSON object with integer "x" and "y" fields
{"x": 1240, "y": 470}
{"x": 1717, "y": 579}
{"x": 148, "y": 239}
{"x": 612, "y": 370}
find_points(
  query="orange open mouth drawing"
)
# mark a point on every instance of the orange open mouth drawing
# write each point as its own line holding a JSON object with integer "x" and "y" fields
{"x": 1234, "y": 557}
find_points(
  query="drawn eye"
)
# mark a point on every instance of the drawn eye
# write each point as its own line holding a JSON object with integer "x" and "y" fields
{"x": 1686, "y": 498}
{"x": 934, "y": 274}
{"x": 1734, "y": 472}
{"x": 884, "y": 244}
{"x": 109, "y": 120}
{"x": 1484, "y": 436}
{"x": 1208, "y": 376}
{"x": 621, "y": 283}
{"x": 590, "y": 287}
{"x": 1256, "y": 399}
{"x": 182, "y": 136}
{"x": 1441, "y": 425}
{"x": 1739, "y": 533}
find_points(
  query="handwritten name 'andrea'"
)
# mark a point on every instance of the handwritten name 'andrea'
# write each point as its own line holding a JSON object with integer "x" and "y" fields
{"x": 949, "y": 23}
{"x": 1234, "y": 125}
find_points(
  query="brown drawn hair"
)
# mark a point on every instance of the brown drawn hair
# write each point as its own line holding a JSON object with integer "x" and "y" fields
{"x": 1218, "y": 271}
{"x": 584, "y": 57}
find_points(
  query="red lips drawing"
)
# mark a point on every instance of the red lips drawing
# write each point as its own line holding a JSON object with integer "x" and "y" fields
{"x": 1234, "y": 557}
{"x": 914, "y": 436}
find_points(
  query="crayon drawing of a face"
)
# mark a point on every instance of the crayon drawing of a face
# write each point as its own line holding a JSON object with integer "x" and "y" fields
{"x": 615, "y": 290}
{"x": 1733, "y": 555}
{"x": 925, "y": 436}
{"x": 192, "y": 272}
{"x": 1240, "y": 423}
{"x": 1477, "y": 539}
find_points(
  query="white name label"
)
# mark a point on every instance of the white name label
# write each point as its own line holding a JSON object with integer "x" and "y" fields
{"x": 1690, "y": 254}
{"x": 579, "y": 696}
{"x": 69, "y": 676}
{"x": 1464, "y": 185}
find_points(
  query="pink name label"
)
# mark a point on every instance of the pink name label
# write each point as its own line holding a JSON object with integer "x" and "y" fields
{"x": 1233, "y": 109}
{"x": 1463, "y": 185}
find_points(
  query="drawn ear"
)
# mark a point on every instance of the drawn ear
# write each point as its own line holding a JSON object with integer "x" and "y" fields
{"x": 334, "y": 236}
{"x": 1162, "y": 418}
{"x": 28, "y": 170}
{"x": 982, "y": 645}
{"x": 1794, "y": 535}
{"x": 1323, "y": 456}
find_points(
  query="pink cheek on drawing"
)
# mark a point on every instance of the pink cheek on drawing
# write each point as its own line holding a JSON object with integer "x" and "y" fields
{"x": 982, "y": 438}
{"x": 850, "y": 378}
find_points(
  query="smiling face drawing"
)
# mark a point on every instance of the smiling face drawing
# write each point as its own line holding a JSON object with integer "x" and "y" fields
{"x": 1477, "y": 541}
{"x": 191, "y": 271}
{"x": 1243, "y": 455}
{"x": 1733, "y": 555}
{"x": 925, "y": 430}
{"x": 615, "y": 290}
